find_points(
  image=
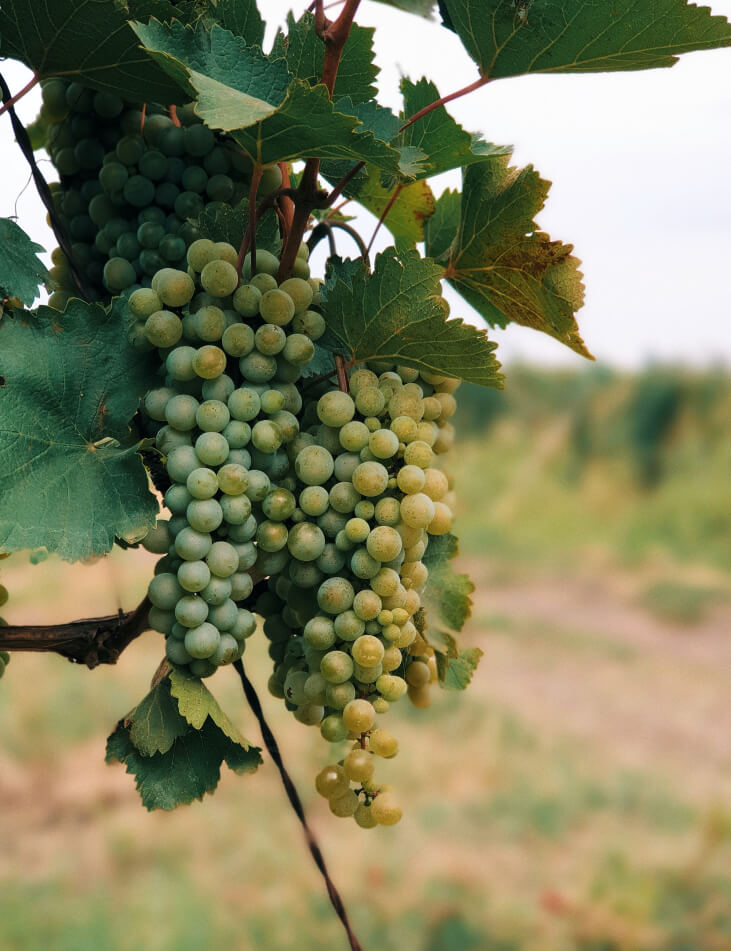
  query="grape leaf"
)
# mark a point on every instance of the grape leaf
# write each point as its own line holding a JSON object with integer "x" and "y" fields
{"x": 250, "y": 95}
{"x": 445, "y": 144}
{"x": 241, "y": 17}
{"x": 155, "y": 724}
{"x": 501, "y": 263}
{"x": 71, "y": 475}
{"x": 89, "y": 41}
{"x": 196, "y": 703}
{"x": 455, "y": 673}
{"x": 21, "y": 271}
{"x": 413, "y": 205}
{"x": 397, "y": 313}
{"x": 423, "y": 8}
{"x": 188, "y": 770}
{"x": 441, "y": 229}
{"x": 515, "y": 37}
{"x": 446, "y": 597}
{"x": 305, "y": 54}
{"x": 322, "y": 363}
{"x": 225, "y": 223}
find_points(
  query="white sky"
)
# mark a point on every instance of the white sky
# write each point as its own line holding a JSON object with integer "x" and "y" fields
{"x": 641, "y": 171}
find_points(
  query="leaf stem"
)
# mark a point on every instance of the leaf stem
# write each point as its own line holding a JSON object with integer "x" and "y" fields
{"x": 248, "y": 242}
{"x": 9, "y": 103}
{"x": 342, "y": 369}
{"x": 386, "y": 211}
{"x": 477, "y": 84}
{"x": 343, "y": 183}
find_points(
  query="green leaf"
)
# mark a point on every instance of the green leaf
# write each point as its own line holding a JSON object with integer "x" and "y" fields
{"x": 188, "y": 770}
{"x": 423, "y": 8}
{"x": 413, "y": 205}
{"x": 444, "y": 142}
{"x": 244, "y": 92}
{"x": 440, "y": 231}
{"x": 89, "y": 41}
{"x": 500, "y": 262}
{"x": 305, "y": 54}
{"x": 225, "y": 223}
{"x": 455, "y": 673}
{"x": 397, "y": 313}
{"x": 21, "y": 271}
{"x": 514, "y": 37}
{"x": 446, "y": 597}
{"x": 196, "y": 704}
{"x": 323, "y": 362}
{"x": 70, "y": 473}
{"x": 241, "y": 17}
{"x": 155, "y": 724}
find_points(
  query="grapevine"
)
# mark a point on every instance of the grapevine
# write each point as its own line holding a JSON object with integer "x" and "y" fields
{"x": 295, "y": 424}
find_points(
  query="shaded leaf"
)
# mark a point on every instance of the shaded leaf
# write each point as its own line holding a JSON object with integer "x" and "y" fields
{"x": 444, "y": 143}
{"x": 21, "y": 270}
{"x": 305, "y": 54}
{"x": 155, "y": 724}
{"x": 244, "y": 92}
{"x": 323, "y": 362}
{"x": 225, "y": 223}
{"x": 187, "y": 771}
{"x": 515, "y": 37}
{"x": 196, "y": 704}
{"x": 441, "y": 229}
{"x": 71, "y": 475}
{"x": 89, "y": 41}
{"x": 446, "y": 597}
{"x": 455, "y": 673}
{"x": 241, "y": 17}
{"x": 500, "y": 262}
{"x": 405, "y": 220}
{"x": 397, "y": 313}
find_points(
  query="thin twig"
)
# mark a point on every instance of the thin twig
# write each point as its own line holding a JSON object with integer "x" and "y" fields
{"x": 248, "y": 242}
{"x": 9, "y": 103}
{"x": 348, "y": 229}
{"x": 477, "y": 84}
{"x": 343, "y": 184}
{"x": 386, "y": 211}
{"x": 320, "y": 231}
{"x": 296, "y": 803}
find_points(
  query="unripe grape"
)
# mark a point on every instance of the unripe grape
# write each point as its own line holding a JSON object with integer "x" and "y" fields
{"x": 335, "y": 408}
{"x": 418, "y": 453}
{"x": 212, "y": 416}
{"x": 246, "y": 300}
{"x": 358, "y": 766}
{"x": 417, "y": 511}
{"x": 190, "y": 611}
{"x": 384, "y": 543}
{"x": 337, "y": 668}
{"x": 367, "y": 604}
{"x": 202, "y": 642}
{"x": 331, "y": 779}
{"x": 442, "y": 521}
{"x": 314, "y": 465}
{"x": 386, "y": 810}
{"x": 370, "y": 478}
{"x": 333, "y": 729}
{"x": 364, "y": 817}
{"x": 383, "y": 443}
{"x": 157, "y": 540}
{"x": 436, "y": 484}
{"x": 338, "y": 696}
{"x": 367, "y": 651}
{"x": 209, "y": 362}
{"x": 390, "y": 687}
{"x": 306, "y": 541}
{"x": 181, "y": 461}
{"x": 222, "y": 559}
{"x": 194, "y": 575}
{"x": 164, "y": 591}
{"x": 258, "y": 367}
{"x": 358, "y": 715}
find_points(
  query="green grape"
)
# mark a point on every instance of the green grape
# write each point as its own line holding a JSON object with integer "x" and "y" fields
{"x": 113, "y": 177}
{"x": 367, "y": 651}
{"x": 270, "y": 339}
{"x": 385, "y": 810}
{"x": 354, "y": 436}
{"x": 219, "y": 278}
{"x": 238, "y": 340}
{"x": 118, "y": 274}
{"x": 298, "y": 350}
{"x": 224, "y": 616}
{"x": 384, "y": 543}
{"x": 332, "y": 560}
{"x": 194, "y": 575}
{"x": 190, "y": 611}
{"x": 367, "y": 605}
{"x": 211, "y": 448}
{"x": 266, "y": 436}
{"x": 370, "y": 479}
{"x": 149, "y": 234}
{"x": 153, "y": 165}
{"x": 418, "y": 453}
{"x": 179, "y": 363}
{"x": 242, "y": 585}
{"x": 300, "y": 292}
{"x": 246, "y": 300}
{"x": 333, "y": 729}
{"x": 156, "y": 402}
{"x": 204, "y": 515}
{"x": 417, "y": 511}
{"x": 161, "y": 621}
{"x": 222, "y": 559}
{"x": 175, "y": 288}
{"x": 236, "y": 509}
{"x": 309, "y": 323}
{"x": 364, "y": 565}
{"x": 220, "y": 188}
{"x": 344, "y": 497}
{"x": 358, "y": 766}
{"x": 272, "y": 403}
{"x": 233, "y": 479}
{"x": 271, "y": 536}
{"x": 348, "y": 626}
{"x": 259, "y": 485}
{"x": 238, "y": 434}
{"x": 199, "y": 140}
{"x": 201, "y": 253}
{"x": 216, "y": 591}
{"x": 188, "y": 205}
{"x": 181, "y": 461}
{"x": 163, "y": 328}
{"x": 345, "y": 465}
{"x": 335, "y": 408}
{"x": 335, "y": 595}
{"x": 258, "y": 367}
{"x": 130, "y": 149}
{"x": 337, "y": 668}
{"x": 314, "y": 500}
{"x": 314, "y": 465}
{"x": 306, "y": 541}
{"x": 138, "y": 191}
{"x": 319, "y": 632}
{"x": 227, "y": 651}
{"x": 358, "y": 715}
{"x": 383, "y": 443}
{"x": 266, "y": 263}
{"x": 338, "y": 696}
{"x": 180, "y": 411}
{"x": 202, "y": 641}
{"x": 330, "y": 780}
{"x": 276, "y": 307}
{"x": 212, "y": 416}
{"x": 191, "y": 545}
{"x": 209, "y": 362}
{"x": 144, "y": 302}
{"x": 263, "y": 282}
{"x": 219, "y": 388}
{"x": 245, "y": 625}
{"x": 164, "y": 591}
{"x": 357, "y": 530}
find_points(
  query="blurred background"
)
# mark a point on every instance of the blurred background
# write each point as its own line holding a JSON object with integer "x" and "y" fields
{"x": 578, "y": 796}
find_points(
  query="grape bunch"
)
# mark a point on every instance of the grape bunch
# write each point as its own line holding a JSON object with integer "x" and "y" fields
{"x": 345, "y": 618}
{"x": 225, "y": 415}
{"x": 132, "y": 185}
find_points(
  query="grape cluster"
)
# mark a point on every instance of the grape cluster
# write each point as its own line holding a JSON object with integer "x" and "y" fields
{"x": 225, "y": 415}
{"x": 132, "y": 185}
{"x": 345, "y": 618}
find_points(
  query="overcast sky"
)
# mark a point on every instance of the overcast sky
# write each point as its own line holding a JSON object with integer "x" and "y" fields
{"x": 641, "y": 171}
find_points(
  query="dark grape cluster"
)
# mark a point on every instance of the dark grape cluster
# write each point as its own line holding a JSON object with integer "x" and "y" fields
{"x": 132, "y": 185}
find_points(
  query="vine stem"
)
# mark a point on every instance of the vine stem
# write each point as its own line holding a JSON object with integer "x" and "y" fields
{"x": 296, "y": 803}
{"x": 9, "y": 103}
{"x": 248, "y": 242}
{"x": 477, "y": 84}
{"x": 342, "y": 369}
